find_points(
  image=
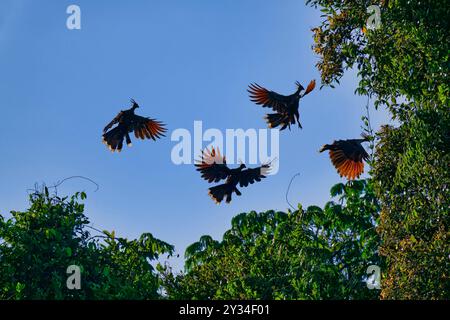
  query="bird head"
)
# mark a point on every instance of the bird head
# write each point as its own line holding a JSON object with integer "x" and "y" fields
{"x": 135, "y": 105}
{"x": 299, "y": 87}
{"x": 242, "y": 165}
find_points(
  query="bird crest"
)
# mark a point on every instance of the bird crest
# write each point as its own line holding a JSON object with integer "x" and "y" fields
{"x": 134, "y": 103}
{"x": 300, "y": 87}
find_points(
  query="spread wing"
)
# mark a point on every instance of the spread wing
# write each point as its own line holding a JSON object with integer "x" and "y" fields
{"x": 347, "y": 157}
{"x": 113, "y": 122}
{"x": 268, "y": 99}
{"x": 212, "y": 166}
{"x": 147, "y": 128}
{"x": 249, "y": 176}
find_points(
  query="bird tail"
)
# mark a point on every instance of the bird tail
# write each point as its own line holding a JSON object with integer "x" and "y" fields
{"x": 276, "y": 119}
{"x": 310, "y": 87}
{"x": 218, "y": 193}
{"x": 345, "y": 166}
{"x": 114, "y": 139}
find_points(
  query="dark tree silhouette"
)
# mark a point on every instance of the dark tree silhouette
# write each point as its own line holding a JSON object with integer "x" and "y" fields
{"x": 128, "y": 122}
{"x": 286, "y": 107}
{"x": 213, "y": 168}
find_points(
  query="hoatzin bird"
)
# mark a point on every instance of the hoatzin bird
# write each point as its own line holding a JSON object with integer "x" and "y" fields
{"x": 128, "y": 122}
{"x": 347, "y": 156}
{"x": 213, "y": 168}
{"x": 286, "y": 107}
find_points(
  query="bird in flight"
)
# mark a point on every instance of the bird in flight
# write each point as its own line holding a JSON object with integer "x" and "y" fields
{"x": 285, "y": 107}
{"x": 213, "y": 168}
{"x": 347, "y": 156}
{"x": 128, "y": 122}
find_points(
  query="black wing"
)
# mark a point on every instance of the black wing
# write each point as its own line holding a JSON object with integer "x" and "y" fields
{"x": 249, "y": 176}
{"x": 147, "y": 128}
{"x": 113, "y": 122}
{"x": 268, "y": 99}
{"x": 212, "y": 166}
{"x": 355, "y": 151}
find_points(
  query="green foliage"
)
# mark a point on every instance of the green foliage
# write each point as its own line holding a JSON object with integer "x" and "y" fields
{"x": 412, "y": 168}
{"x": 37, "y": 246}
{"x": 406, "y": 58}
{"x": 405, "y": 66}
{"x": 306, "y": 254}
{"x": 317, "y": 253}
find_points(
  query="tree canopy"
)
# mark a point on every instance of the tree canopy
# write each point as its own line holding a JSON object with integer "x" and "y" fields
{"x": 404, "y": 65}
{"x": 311, "y": 253}
{"x": 397, "y": 220}
{"x": 38, "y": 245}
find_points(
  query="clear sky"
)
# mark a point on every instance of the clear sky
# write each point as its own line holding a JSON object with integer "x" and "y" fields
{"x": 182, "y": 61}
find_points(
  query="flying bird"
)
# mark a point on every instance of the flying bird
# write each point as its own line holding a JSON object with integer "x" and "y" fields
{"x": 285, "y": 107}
{"x": 213, "y": 168}
{"x": 347, "y": 156}
{"x": 128, "y": 122}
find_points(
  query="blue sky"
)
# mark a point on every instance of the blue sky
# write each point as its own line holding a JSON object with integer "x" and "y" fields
{"x": 182, "y": 61}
